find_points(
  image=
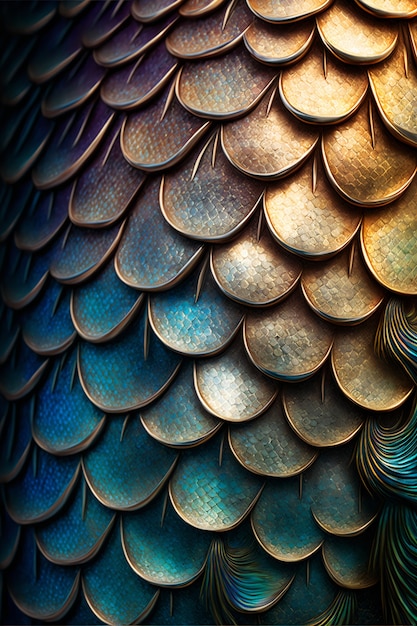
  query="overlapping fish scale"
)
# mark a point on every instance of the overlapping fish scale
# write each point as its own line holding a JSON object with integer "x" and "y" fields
{"x": 161, "y": 548}
{"x": 321, "y": 90}
{"x": 22, "y": 371}
{"x": 196, "y": 200}
{"x": 255, "y": 143}
{"x": 136, "y": 83}
{"x": 37, "y": 15}
{"x": 283, "y": 524}
{"x": 47, "y": 328}
{"x": 104, "y": 190}
{"x": 60, "y": 396}
{"x": 340, "y": 289}
{"x": 172, "y": 414}
{"x": 42, "y": 487}
{"x": 376, "y": 170}
{"x": 76, "y": 534}
{"x": 197, "y": 8}
{"x": 26, "y": 275}
{"x": 210, "y": 490}
{"x": 229, "y": 387}
{"x": 42, "y": 590}
{"x": 13, "y": 205}
{"x": 102, "y": 307}
{"x": 60, "y": 45}
{"x": 178, "y": 418}
{"x": 73, "y": 87}
{"x": 27, "y": 148}
{"x": 347, "y": 562}
{"x": 152, "y": 256}
{"x": 112, "y": 384}
{"x": 319, "y": 226}
{"x": 319, "y": 413}
{"x": 161, "y": 135}
{"x": 13, "y": 116}
{"x": 270, "y": 43}
{"x": 71, "y": 8}
{"x": 204, "y": 37}
{"x": 194, "y": 322}
{"x": 393, "y": 85}
{"x": 238, "y": 84}
{"x": 123, "y": 453}
{"x": 131, "y": 41}
{"x": 74, "y": 140}
{"x": 288, "y": 11}
{"x": 108, "y": 18}
{"x": 11, "y": 119}
{"x": 14, "y": 82}
{"x": 84, "y": 252}
{"x": 364, "y": 378}
{"x": 252, "y": 270}
{"x": 380, "y": 8}
{"x": 339, "y": 503}
{"x": 151, "y": 11}
{"x": 288, "y": 341}
{"x": 43, "y": 219}
{"x": 354, "y": 36}
{"x": 108, "y": 578}
{"x": 10, "y": 611}
{"x": 268, "y": 447}
{"x": 394, "y": 230}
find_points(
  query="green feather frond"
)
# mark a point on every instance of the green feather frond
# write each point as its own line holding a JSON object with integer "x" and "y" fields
{"x": 396, "y": 336}
{"x": 341, "y": 611}
{"x": 395, "y": 555}
{"x": 234, "y": 581}
{"x": 387, "y": 459}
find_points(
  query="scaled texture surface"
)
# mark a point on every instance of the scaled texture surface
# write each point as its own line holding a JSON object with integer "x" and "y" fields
{"x": 208, "y": 337}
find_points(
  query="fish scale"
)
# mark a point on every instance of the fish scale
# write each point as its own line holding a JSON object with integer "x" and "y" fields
{"x": 208, "y": 283}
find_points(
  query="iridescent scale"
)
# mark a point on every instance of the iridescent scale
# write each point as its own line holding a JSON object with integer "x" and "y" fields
{"x": 208, "y": 341}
